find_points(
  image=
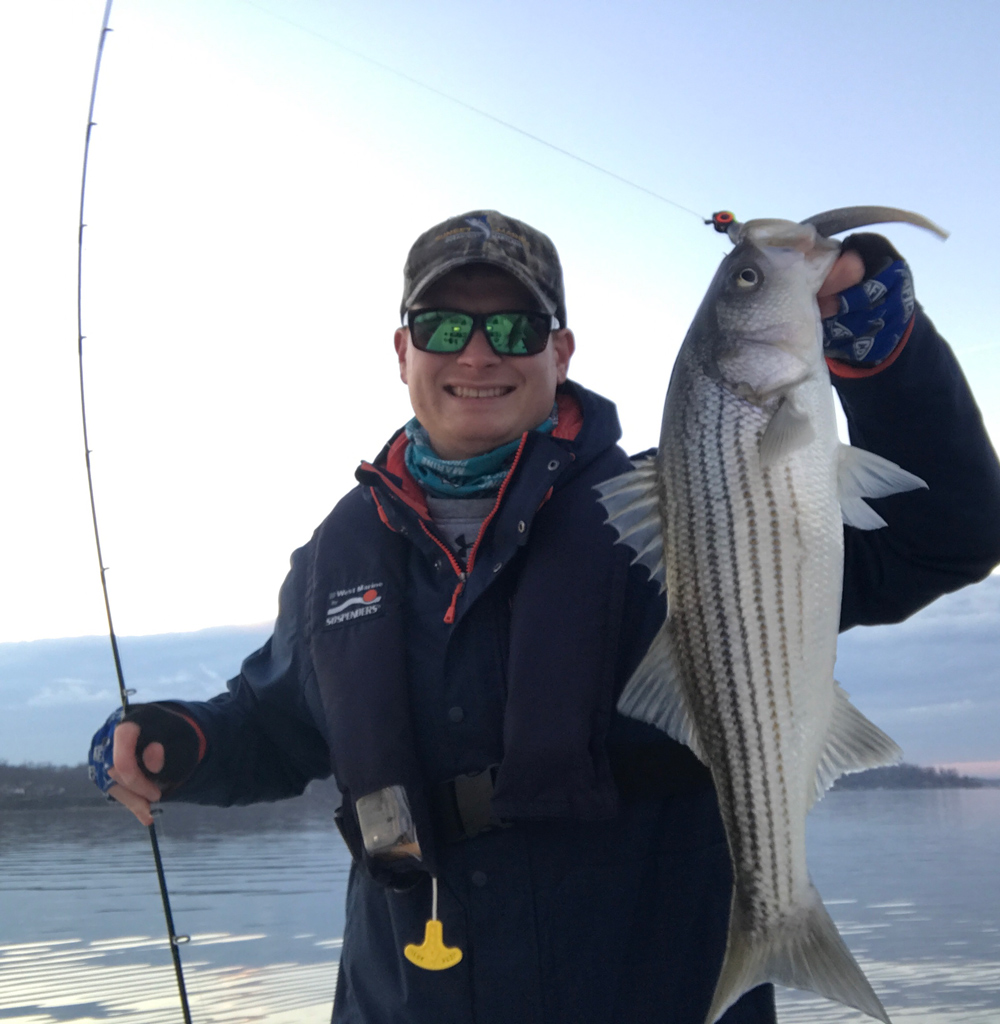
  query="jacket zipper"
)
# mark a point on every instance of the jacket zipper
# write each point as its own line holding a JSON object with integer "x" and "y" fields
{"x": 462, "y": 573}
{"x": 449, "y": 615}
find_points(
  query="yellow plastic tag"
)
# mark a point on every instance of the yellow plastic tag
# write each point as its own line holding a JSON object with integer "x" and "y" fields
{"x": 432, "y": 954}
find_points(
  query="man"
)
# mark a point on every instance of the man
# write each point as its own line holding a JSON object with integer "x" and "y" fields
{"x": 452, "y": 641}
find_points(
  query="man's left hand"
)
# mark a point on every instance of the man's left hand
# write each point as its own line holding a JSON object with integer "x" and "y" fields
{"x": 866, "y": 302}
{"x": 848, "y": 271}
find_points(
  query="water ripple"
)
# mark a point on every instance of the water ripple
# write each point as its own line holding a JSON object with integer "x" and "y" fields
{"x": 72, "y": 980}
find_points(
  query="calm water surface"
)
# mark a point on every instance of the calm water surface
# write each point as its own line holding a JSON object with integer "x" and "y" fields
{"x": 911, "y": 877}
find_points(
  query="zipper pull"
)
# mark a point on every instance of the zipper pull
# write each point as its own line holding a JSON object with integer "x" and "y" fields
{"x": 449, "y": 615}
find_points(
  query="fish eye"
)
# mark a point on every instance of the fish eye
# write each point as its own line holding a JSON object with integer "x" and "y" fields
{"x": 747, "y": 278}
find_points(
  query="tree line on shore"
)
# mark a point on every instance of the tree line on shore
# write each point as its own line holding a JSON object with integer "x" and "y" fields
{"x": 40, "y": 786}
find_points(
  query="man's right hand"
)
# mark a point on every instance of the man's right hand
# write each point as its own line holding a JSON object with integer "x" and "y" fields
{"x": 132, "y": 788}
{"x": 169, "y": 743}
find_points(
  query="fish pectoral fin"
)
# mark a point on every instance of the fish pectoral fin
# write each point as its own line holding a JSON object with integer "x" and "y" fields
{"x": 853, "y": 743}
{"x": 807, "y": 953}
{"x": 632, "y": 501}
{"x": 788, "y": 431}
{"x": 862, "y": 474}
{"x": 654, "y": 694}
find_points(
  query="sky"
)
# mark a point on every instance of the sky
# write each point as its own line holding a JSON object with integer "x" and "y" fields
{"x": 254, "y": 186}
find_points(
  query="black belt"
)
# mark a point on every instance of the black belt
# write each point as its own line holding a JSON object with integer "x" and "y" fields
{"x": 463, "y": 805}
{"x": 463, "y": 808}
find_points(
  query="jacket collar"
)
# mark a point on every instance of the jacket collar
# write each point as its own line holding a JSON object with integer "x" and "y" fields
{"x": 588, "y": 425}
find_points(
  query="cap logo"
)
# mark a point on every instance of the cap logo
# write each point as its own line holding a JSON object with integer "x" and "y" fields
{"x": 480, "y": 224}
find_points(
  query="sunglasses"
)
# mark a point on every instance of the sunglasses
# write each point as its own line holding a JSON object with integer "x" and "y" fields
{"x": 516, "y": 333}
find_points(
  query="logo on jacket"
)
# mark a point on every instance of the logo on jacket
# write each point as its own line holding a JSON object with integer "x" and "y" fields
{"x": 352, "y": 603}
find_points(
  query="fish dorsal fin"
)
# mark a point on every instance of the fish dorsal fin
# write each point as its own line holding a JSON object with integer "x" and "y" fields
{"x": 787, "y": 431}
{"x": 862, "y": 474}
{"x": 655, "y": 695}
{"x": 847, "y": 218}
{"x": 853, "y": 743}
{"x": 633, "y": 504}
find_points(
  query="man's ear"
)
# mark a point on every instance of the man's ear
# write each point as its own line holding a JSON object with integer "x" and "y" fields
{"x": 401, "y": 341}
{"x": 564, "y": 345}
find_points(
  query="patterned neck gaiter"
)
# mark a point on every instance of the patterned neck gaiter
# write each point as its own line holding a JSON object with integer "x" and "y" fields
{"x": 477, "y": 477}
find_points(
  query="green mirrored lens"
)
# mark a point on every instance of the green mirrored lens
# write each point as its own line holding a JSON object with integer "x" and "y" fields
{"x": 512, "y": 334}
{"x": 436, "y": 331}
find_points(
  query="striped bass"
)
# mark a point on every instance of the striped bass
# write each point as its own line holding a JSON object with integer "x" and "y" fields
{"x": 740, "y": 518}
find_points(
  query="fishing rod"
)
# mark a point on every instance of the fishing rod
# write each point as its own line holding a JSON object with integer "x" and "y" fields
{"x": 175, "y": 939}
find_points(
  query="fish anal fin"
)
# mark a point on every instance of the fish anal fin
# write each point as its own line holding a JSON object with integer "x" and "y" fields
{"x": 853, "y": 744}
{"x": 805, "y": 953}
{"x": 654, "y": 693}
{"x": 787, "y": 431}
{"x": 632, "y": 501}
{"x": 862, "y": 474}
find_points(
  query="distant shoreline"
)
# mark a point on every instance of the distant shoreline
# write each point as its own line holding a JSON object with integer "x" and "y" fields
{"x": 50, "y": 787}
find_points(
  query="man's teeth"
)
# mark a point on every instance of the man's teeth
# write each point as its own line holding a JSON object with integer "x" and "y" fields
{"x": 461, "y": 392}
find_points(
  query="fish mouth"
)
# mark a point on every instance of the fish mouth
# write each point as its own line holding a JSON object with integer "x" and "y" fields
{"x": 781, "y": 234}
{"x": 464, "y": 391}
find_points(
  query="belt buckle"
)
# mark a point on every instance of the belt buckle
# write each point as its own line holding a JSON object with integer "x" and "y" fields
{"x": 472, "y": 794}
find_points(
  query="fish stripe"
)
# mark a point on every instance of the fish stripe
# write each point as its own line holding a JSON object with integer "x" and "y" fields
{"x": 760, "y": 614}
{"x": 786, "y": 669}
{"x": 692, "y": 638}
{"x": 729, "y": 679}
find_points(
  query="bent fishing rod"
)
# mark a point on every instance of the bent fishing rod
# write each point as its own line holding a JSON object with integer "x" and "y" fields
{"x": 174, "y": 939}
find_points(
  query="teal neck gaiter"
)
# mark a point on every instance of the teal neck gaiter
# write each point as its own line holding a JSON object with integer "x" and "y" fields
{"x": 476, "y": 477}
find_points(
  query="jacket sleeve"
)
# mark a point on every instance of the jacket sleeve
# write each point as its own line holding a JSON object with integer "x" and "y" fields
{"x": 262, "y": 737}
{"x": 919, "y": 413}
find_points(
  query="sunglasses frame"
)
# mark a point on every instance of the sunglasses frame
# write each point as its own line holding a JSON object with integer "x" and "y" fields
{"x": 479, "y": 323}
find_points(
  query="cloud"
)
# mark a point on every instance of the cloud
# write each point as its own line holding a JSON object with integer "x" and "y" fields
{"x": 955, "y": 707}
{"x": 978, "y": 769}
{"x": 70, "y": 691}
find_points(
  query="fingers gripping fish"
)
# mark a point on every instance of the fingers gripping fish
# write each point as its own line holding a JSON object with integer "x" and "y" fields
{"x": 739, "y": 517}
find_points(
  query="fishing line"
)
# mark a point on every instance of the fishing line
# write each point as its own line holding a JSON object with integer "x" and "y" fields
{"x": 175, "y": 939}
{"x": 477, "y": 110}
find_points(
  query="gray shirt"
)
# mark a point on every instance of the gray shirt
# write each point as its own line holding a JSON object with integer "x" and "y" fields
{"x": 459, "y": 520}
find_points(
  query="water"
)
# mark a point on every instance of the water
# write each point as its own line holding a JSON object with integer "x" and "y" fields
{"x": 911, "y": 877}
{"x": 82, "y": 935}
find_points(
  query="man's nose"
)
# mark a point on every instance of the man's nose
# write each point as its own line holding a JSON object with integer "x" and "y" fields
{"x": 478, "y": 352}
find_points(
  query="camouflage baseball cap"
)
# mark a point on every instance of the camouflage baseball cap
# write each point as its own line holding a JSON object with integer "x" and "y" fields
{"x": 485, "y": 236}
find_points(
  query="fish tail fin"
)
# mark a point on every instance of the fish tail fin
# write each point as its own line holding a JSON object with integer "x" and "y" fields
{"x": 807, "y": 954}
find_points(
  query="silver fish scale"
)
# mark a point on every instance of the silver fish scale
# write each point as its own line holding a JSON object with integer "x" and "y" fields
{"x": 754, "y": 562}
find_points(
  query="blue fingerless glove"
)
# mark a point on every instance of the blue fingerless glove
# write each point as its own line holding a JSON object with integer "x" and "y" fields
{"x": 875, "y": 314}
{"x": 102, "y": 753}
{"x": 182, "y": 746}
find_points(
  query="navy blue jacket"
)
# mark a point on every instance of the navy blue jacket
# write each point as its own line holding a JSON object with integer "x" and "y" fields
{"x": 613, "y": 905}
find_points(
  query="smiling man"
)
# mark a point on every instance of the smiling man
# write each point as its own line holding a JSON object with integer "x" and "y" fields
{"x": 451, "y": 643}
